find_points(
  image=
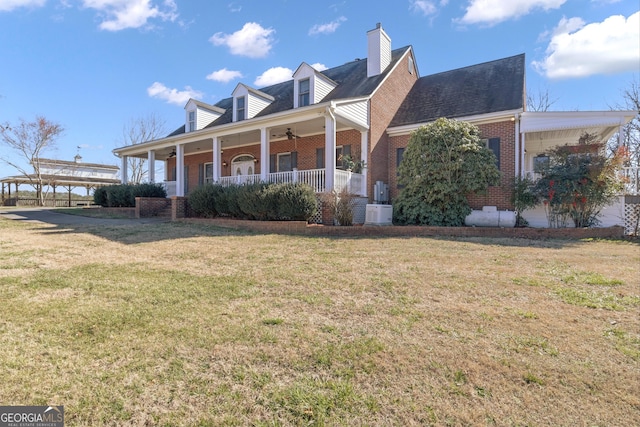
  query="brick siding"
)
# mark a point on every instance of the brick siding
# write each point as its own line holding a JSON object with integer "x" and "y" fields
{"x": 497, "y": 195}
{"x": 384, "y": 105}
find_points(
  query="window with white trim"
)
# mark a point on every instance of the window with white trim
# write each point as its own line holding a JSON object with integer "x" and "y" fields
{"x": 493, "y": 144}
{"x": 240, "y": 108}
{"x": 192, "y": 121}
{"x": 304, "y": 88}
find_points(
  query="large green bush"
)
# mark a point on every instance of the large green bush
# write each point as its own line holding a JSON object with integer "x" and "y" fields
{"x": 255, "y": 201}
{"x": 443, "y": 163}
{"x": 294, "y": 201}
{"x": 124, "y": 195}
{"x": 202, "y": 200}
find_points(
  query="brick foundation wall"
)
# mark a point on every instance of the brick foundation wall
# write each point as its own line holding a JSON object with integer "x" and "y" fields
{"x": 301, "y": 227}
{"x": 180, "y": 208}
{"x": 150, "y": 206}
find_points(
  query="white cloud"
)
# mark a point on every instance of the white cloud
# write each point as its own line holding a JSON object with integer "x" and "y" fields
{"x": 274, "y": 75}
{"x": 491, "y": 12}
{"x": 319, "y": 67}
{"x": 329, "y": 28}
{"x": 224, "y": 75}
{"x": 252, "y": 40}
{"x": 607, "y": 47}
{"x": 123, "y": 14}
{"x": 9, "y": 5}
{"x": 426, "y": 7}
{"x": 172, "y": 96}
{"x": 233, "y": 7}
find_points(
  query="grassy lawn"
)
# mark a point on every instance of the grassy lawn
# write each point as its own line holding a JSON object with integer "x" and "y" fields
{"x": 189, "y": 325}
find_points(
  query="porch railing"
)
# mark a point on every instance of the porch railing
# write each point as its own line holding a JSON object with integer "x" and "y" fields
{"x": 316, "y": 178}
{"x": 630, "y": 177}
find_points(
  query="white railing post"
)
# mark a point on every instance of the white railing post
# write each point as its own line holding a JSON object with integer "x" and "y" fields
{"x": 295, "y": 174}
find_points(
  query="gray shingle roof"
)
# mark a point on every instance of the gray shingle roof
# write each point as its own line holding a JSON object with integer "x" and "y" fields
{"x": 479, "y": 89}
{"x": 351, "y": 78}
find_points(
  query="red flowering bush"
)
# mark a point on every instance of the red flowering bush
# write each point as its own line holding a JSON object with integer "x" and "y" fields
{"x": 578, "y": 182}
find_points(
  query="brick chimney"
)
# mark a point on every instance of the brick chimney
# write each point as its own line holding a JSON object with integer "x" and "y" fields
{"x": 378, "y": 51}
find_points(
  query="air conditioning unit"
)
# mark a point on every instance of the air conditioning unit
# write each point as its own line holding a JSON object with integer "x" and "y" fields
{"x": 379, "y": 215}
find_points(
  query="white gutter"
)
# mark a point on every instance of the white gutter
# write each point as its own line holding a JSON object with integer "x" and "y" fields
{"x": 477, "y": 119}
{"x": 254, "y": 124}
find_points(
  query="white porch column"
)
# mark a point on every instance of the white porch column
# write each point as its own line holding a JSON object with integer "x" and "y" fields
{"x": 152, "y": 166}
{"x": 364, "y": 155}
{"x": 522, "y": 150}
{"x": 217, "y": 160}
{"x": 124, "y": 169}
{"x": 621, "y": 136}
{"x": 265, "y": 162}
{"x": 517, "y": 146}
{"x": 180, "y": 170}
{"x": 329, "y": 149}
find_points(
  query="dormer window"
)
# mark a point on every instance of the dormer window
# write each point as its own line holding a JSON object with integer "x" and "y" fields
{"x": 198, "y": 115}
{"x": 248, "y": 102}
{"x": 303, "y": 92}
{"x": 192, "y": 121}
{"x": 311, "y": 86}
{"x": 240, "y": 108}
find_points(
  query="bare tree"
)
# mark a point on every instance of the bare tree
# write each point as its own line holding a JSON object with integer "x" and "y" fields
{"x": 139, "y": 130}
{"x": 540, "y": 101}
{"x": 631, "y": 96}
{"x": 30, "y": 140}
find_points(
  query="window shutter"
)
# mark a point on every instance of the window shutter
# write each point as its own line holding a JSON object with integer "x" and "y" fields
{"x": 399, "y": 154}
{"x": 272, "y": 163}
{"x": 319, "y": 158}
{"x": 294, "y": 160}
{"x": 173, "y": 173}
{"x": 186, "y": 179}
{"x": 494, "y": 145}
{"x": 200, "y": 173}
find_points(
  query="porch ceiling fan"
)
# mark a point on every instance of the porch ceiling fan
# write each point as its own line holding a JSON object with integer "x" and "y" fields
{"x": 172, "y": 153}
{"x": 289, "y": 134}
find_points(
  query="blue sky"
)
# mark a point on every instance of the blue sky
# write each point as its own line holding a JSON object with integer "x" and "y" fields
{"x": 94, "y": 65}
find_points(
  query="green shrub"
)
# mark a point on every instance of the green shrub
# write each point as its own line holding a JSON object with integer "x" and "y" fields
{"x": 202, "y": 201}
{"x": 124, "y": 195}
{"x": 443, "y": 163}
{"x": 100, "y": 196}
{"x": 296, "y": 202}
{"x": 233, "y": 207}
{"x": 148, "y": 190}
{"x": 255, "y": 201}
{"x": 252, "y": 202}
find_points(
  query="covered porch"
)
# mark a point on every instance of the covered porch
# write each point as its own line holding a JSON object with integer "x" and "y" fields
{"x": 542, "y": 131}
{"x": 308, "y": 146}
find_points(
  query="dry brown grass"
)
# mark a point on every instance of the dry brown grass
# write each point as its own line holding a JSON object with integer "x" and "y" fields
{"x": 178, "y": 324}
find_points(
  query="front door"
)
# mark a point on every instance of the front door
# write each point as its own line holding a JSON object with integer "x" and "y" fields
{"x": 242, "y": 168}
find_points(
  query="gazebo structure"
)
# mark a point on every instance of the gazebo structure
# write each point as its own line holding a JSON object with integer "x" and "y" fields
{"x": 60, "y": 173}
